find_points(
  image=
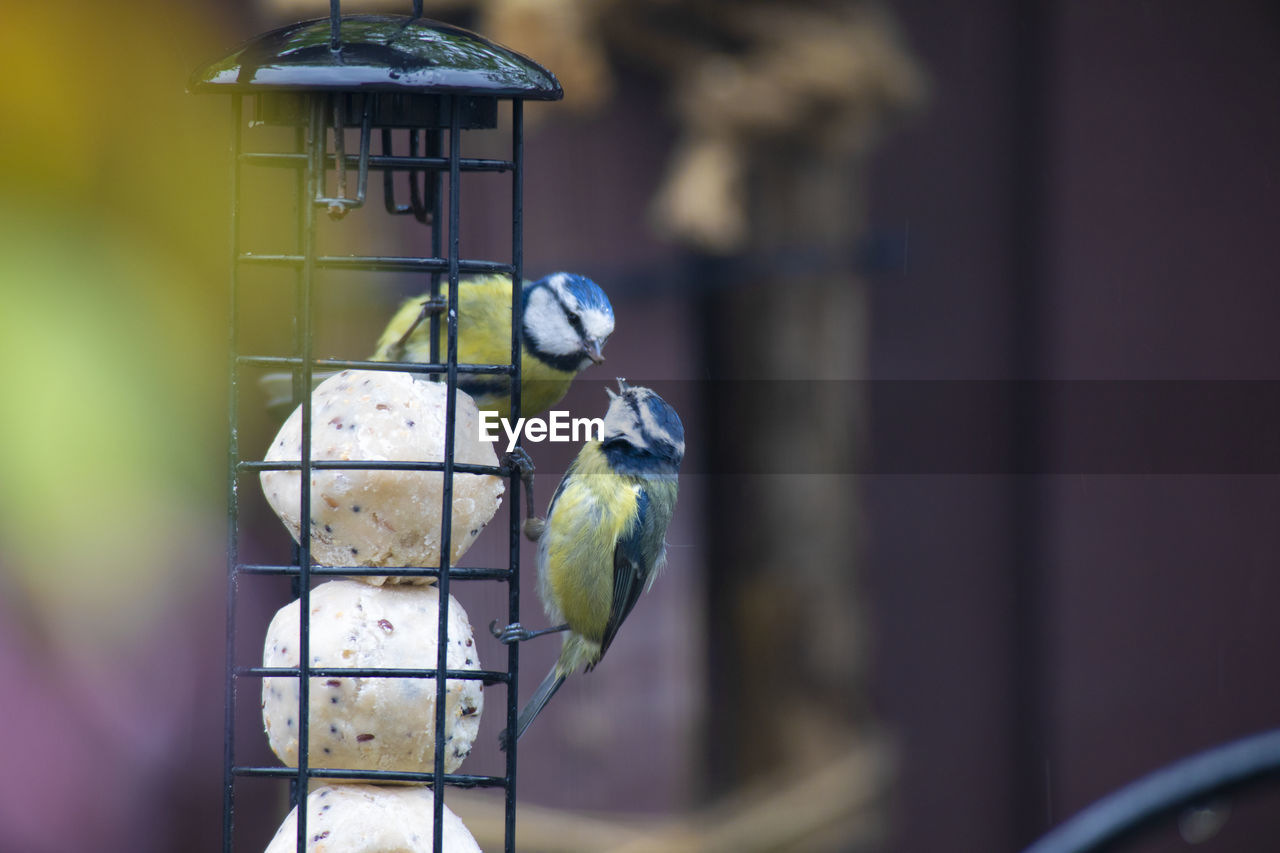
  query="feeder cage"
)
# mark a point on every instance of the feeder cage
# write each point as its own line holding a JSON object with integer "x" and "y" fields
{"x": 410, "y": 88}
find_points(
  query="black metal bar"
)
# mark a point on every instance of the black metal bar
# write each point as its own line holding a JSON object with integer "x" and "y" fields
{"x": 513, "y": 584}
{"x": 418, "y": 197}
{"x": 438, "y": 249}
{"x": 307, "y": 217}
{"x": 300, "y": 181}
{"x": 335, "y": 30}
{"x": 233, "y": 504}
{"x": 1165, "y": 792}
{"x": 431, "y": 187}
{"x": 339, "y": 148}
{"x": 465, "y": 573}
{"x": 432, "y": 211}
{"x": 377, "y": 263}
{"x": 397, "y": 366}
{"x": 488, "y": 676}
{"x": 366, "y": 142}
{"x": 388, "y": 178}
{"x": 450, "y": 419}
{"x": 385, "y": 162}
{"x": 460, "y": 780}
{"x": 358, "y": 465}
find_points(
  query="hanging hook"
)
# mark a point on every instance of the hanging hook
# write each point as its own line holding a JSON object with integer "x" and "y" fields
{"x": 421, "y": 200}
{"x": 339, "y": 146}
{"x": 418, "y": 198}
{"x": 339, "y": 205}
{"x": 388, "y": 185}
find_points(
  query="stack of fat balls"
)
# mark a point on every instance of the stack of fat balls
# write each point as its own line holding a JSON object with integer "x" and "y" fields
{"x": 600, "y": 545}
{"x": 376, "y": 518}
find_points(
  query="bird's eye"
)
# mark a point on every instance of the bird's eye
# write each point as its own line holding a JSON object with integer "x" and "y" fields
{"x": 573, "y": 317}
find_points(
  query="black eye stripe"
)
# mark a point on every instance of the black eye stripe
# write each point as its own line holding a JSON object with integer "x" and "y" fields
{"x": 635, "y": 408}
{"x": 570, "y": 314}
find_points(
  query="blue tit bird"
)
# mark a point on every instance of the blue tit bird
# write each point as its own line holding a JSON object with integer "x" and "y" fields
{"x": 565, "y": 321}
{"x": 603, "y": 542}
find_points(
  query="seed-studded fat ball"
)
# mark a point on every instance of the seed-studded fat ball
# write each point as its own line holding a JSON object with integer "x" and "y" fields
{"x": 372, "y": 723}
{"x": 383, "y": 518}
{"x": 372, "y": 819}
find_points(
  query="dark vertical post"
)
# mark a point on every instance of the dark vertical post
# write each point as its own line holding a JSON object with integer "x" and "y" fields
{"x": 450, "y": 420}
{"x": 1027, "y": 631}
{"x": 233, "y": 481}
{"x": 335, "y": 25}
{"x": 513, "y": 588}
{"x": 431, "y": 148}
{"x": 315, "y": 145}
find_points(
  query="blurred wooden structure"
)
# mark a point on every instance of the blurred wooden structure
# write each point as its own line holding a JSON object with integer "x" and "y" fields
{"x": 1091, "y": 196}
{"x": 835, "y": 806}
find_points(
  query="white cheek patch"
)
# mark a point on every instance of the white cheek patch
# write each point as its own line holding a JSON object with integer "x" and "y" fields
{"x": 546, "y": 324}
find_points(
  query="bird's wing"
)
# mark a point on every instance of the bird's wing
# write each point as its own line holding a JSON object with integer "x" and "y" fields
{"x": 555, "y": 496}
{"x": 630, "y": 572}
{"x": 484, "y": 325}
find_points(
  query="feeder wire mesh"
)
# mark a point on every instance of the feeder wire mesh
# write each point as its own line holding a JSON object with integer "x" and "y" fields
{"x": 424, "y": 164}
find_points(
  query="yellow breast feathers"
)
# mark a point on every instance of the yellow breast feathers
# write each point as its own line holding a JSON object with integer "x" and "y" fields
{"x": 595, "y": 508}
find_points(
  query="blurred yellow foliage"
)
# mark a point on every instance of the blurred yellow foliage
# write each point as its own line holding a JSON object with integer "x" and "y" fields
{"x": 113, "y": 257}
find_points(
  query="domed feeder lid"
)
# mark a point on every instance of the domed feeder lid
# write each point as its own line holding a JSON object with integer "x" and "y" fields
{"x": 379, "y": 53}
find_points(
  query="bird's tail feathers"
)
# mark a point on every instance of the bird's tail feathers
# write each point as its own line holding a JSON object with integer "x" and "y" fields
{"x": 536, "y": 703}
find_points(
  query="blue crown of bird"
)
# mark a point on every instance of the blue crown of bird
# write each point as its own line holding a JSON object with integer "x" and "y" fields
{"x": 565, "y": 320}
{"x": 604, "y": 538}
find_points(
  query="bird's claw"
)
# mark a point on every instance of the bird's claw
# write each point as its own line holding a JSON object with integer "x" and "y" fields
{"x": 518, "y": 462}
{"x": 513, "y": 633}
{"x": 433, "y": 305}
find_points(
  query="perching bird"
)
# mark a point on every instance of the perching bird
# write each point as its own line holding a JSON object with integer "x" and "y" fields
{"x": 604, "y": 538}
{"x": 566, "y": 320}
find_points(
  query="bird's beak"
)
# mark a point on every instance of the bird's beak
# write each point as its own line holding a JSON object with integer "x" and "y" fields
{"x": 593, "y": 351}
{"x": 623, "y": 386}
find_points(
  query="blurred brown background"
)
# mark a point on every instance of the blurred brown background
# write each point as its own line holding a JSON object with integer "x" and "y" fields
{"x": 899, "y": 616}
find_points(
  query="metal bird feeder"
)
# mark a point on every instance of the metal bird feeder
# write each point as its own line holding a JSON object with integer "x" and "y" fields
{"x": 414, "y": 86}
